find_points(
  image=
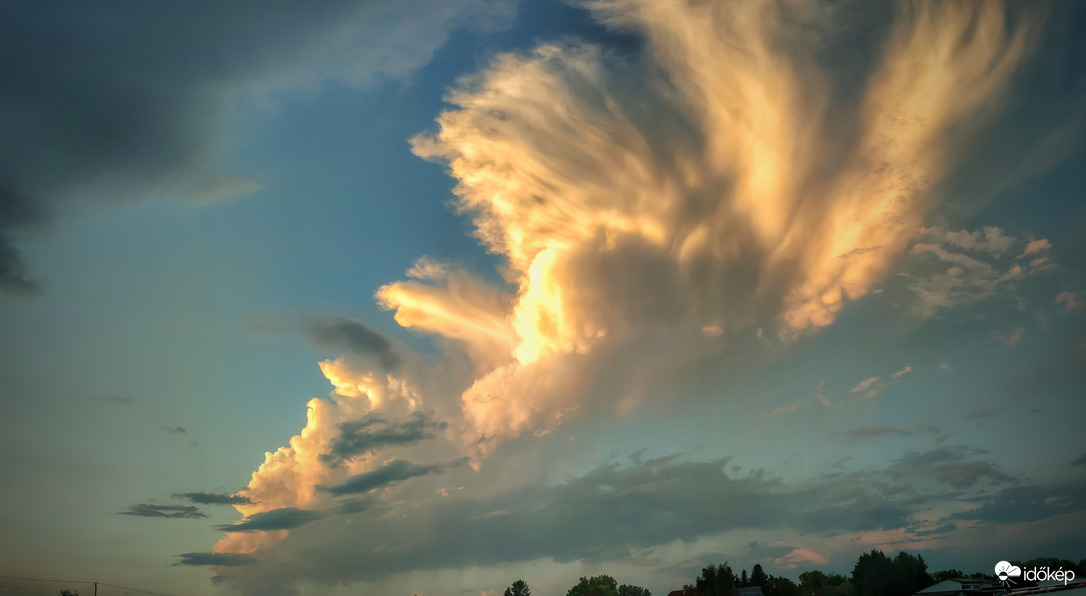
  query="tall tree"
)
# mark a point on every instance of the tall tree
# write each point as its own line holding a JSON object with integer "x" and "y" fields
{"x": 872, "y": 574}
{"x": 716, "y": 580}
{"x": 519, "y": 588}
{"x": 817, "y": 583}
{"x": 757, "y": 576}
{"x": 875, "y": 574}
{"x": 811, "y": 582}
{"x": 910, "y": 574}
{"x": 628, "y": 590}
{"x": 600, "y": 585}
{"x": 779, "y": 586}
{"x": 946, "y": 574}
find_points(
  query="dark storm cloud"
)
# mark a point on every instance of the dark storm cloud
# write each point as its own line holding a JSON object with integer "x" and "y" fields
{"x": 374, "y": 432}
{"x": 871, "y": 432}
{"x": 177, "y": 430}
{"x": 943, "y": 529}
{"x": 214, "y": 560}
{"x": 1027, "y": 503}
{"x": 1079, "y": 461}
{"x": 213, "y": 498}
{"x": 957, "y": 466}
{"x": 16, "y": 211}
{"x": 171, "y": 511}
{"x": 598, "y": 517}
{"x": 352, "y": 337}
{"x": 757, "y": 552}
{"x": 117, "y": 399}
{"x": 276, "y": 519}
{"x": 392, "y": 472}
{"x": 355, "y": 506}
{"x": 119, "y": 101}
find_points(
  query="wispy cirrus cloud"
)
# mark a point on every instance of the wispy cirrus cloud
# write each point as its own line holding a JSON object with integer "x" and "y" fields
{"x": 872, "y": 387}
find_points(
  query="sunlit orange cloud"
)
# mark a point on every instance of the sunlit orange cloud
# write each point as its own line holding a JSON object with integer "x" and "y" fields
{"x": 701, "y": 197}
{"x": 457, "y": 306}
{"x": 290, "y": 476}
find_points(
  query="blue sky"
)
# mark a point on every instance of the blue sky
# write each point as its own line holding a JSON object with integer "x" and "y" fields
{"x": 447, "y": 294}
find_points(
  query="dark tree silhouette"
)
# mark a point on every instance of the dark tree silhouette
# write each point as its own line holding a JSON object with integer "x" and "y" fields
{"x": 946, "y": 574}
{"x": 69, "y": 593}
{"x": 628, "y": 590}
{"x": 876, "y": 575}
{"x": 519, "y": 588}
{"x": 757, "y": 576}
{"x": 600, "y": 585}
{"x": 817, "y": 583}
{"x": 716, "y": 580}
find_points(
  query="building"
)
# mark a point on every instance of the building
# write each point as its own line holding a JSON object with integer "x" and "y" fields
{"x": 962, "y": 586}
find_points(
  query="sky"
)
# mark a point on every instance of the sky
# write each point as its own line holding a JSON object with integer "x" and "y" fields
{"x": 426, "y": 297}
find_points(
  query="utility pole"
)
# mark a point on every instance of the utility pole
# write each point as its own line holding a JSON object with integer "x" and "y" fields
{"x": 95, "y": 588}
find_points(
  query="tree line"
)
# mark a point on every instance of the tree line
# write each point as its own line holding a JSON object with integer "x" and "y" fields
{"x": 874, "y": 574}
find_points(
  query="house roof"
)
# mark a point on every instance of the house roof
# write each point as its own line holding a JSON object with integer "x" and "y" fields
{"x": 751, "y": 591}
{"x": 685, "y": 592}
{"x": 947, "y": 586}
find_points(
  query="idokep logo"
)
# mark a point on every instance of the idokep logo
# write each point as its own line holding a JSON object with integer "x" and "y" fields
{"x": 1005, "y": 571}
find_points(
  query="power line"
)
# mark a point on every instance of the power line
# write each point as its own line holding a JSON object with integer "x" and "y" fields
{"x": 62, "y": 581}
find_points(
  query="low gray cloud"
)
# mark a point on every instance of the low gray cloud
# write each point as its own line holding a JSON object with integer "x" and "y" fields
{"x": 213, "y": 498}
{"x": 117, "y": 399}
{"x": 392, "y": 472}
{"x": 871, "y": 432}
{"x": 1079, "y": 461}
{"x": 943, "y": 529}
{"x": 615, "y": 510}
{"x": 957, "y": 466}
{"x": 355, "y": 506}
{"x": 978, "y": 414}
{"x": 171, "y": 511}
{"x": 374, "y": 432}
{"x": 350, "y": 336}
{"x": 600, "y": 516}
{"x": 1027, "y": 503}
{"x": 214, "y": 560}
{"x": 757, "y": 552}
{"x": 276, "y": 519}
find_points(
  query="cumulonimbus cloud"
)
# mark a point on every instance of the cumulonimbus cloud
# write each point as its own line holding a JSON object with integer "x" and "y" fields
{"x": 671, "y": 201}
